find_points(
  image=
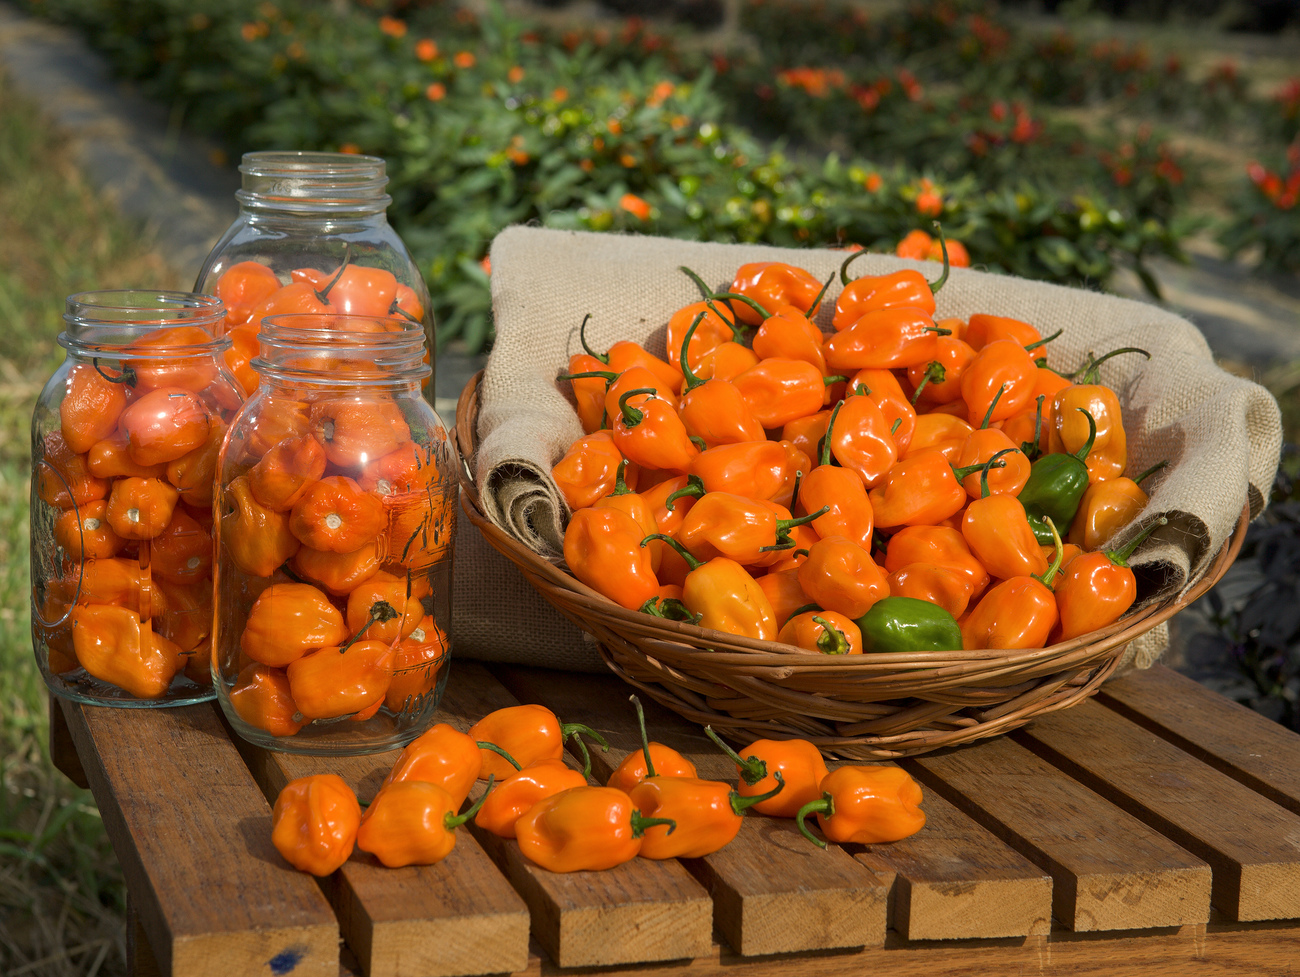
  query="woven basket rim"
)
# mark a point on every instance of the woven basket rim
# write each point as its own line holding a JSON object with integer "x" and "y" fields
{"x": 1087, "y": 648}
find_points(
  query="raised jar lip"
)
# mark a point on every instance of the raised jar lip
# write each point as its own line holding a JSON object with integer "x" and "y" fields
{"x": 397, "y": 356}
{"x": 313, "y": 182}
{"x": 106, "y": 321}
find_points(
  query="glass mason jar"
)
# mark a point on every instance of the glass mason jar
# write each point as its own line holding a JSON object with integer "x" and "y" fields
{"x": 312, "y": 236}
{"x": 125, "y": 439}
{"x": 335, "y": 518}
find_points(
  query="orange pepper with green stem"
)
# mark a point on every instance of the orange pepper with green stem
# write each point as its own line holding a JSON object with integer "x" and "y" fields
{"x": 516, "y": 795}
{"x": 412, "y": 823}
{"x": 384, "y": 604}
{"x": 788, "y": 334}
{"x": 938, "y": 546}
{"x": 921, "y": 491}
{"x": 841, "y": 493}
{"x": 583, "y": 829}
{"x": 1019, "y": 612}
{"x": 825, "y": 632}
{"x": 724, "y": 595}
{"x": 774, "y": 284}
{"x": 715, "y": 411}
{"x": 999, "y": 382}
{"x": 886, "y": 339}
{"x": 883, "y": 388}
{"x": 338, "y": 681}
{"x": 939, "y": 380}
{"x": 998, "y": 533}
{"x": 860, "y": 438}
{"x": 1097, "y": 589}
{"x": 714, "y": 330}
{"x": 741, "y": 529}
{"x": 625, "y": 354}
{"x": 1107, "y": 507}
{"x": 907, "y": 288}
{"x": 865, "y": 804}
{"x": 590, "y": 380}
{"x": 440, "y": 755}
{"x": 983, "y": 329}
{"x": 799, "y": 763}
{"x": 1069, "y": 432}
{"x": 726, "y": 361}
{"x": 589, "y": 469}
{"x": 806, "y": 433}
{"x": 651, "y": 433}
{"x": 314, "y": 823}
{"x": 625, "y": 500}
{"x": 754, "y": 469}
{"x": 603, "y": 549}
{"x": 780, "y": 390}
{"x": 984, "y": 444}
{"x": 528, "y": 733}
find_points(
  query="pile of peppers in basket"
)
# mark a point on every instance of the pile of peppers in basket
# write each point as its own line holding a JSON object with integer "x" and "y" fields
{"x": 653, "y": 806}
{"x": 902, "y": 484}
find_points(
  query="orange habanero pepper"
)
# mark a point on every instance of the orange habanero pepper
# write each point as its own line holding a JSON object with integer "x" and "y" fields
{"x": 998, "y": 533}
{"x": 865, "y": 804}
{"x": 774, "y": 284}
{"x": 1097, "y": 589}
{"x": 338, "y": 681}
{"x": 1019, "y": 612}
{"x": 517, "y": 794}
{"x": 440, "y": 755}
{"x": 625, "y": 354}
{"x": 529, "y": 733}
{"x": 799, "y": 763}
{"x": 860, "y": 438}
{"x": 287, "y": 621}
{"x": 841, "y": 576}
{"x": 115, "y": 646}
{"x": 260, "y": 697}
{"x": 284, "y": 473}
{"x": 164, "y": 424}
{"x": 885, "y": 339}
{"x": 314, "y": 823}
{"x": 91, "y": 406}
{"x": 140, "y": 508}
{"x": 998, "y": 382}
{"x": 725, "y": 596}
{"x": 1069, "y": 431}
{"x": 1107, "y": 507}
{"x": 338, "y": 515}
{"x": 583, "y": 829}
{"x": 937, "y": 546}
{"x": 603, "y": 549}
{"x": 906, "y": 288}
{"x": 588, "y": 470}
{"x": 826, "y": 632}
{"x": 923, "y": 490}
{"x": 412, "y": 823}
{"x": 651, "y": 434}
{"x": 715, "y": 411}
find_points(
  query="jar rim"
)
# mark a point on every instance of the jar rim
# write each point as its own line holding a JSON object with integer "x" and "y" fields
{"x": 396, "y": 355}
{"x": 313, "y": 182}
{"x": 107, "y": 321}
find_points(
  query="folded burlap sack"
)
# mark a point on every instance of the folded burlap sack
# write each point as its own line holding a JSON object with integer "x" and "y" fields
{"x": 1220, "y": 434}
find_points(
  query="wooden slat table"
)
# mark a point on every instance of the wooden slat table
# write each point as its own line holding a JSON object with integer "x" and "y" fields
{"x": 1152, "y": 830}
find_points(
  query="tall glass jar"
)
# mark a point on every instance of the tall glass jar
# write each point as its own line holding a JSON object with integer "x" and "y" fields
{"x": 125, "y": 439}
{"x": 312, "y": 236}
{"x": 335, "y": 523}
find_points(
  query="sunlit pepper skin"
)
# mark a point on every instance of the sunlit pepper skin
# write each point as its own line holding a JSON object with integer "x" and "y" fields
{"x": 1097, "y": 589}
{"x": 780, "y": 390}
{"x": 799, "y": 763}
{"x": 666, "y": 761}
{"x": 314, "y": 823}
{"x": 725, "y": 596}
{"x": 754, "y": 469}
{"x": 849, "y": 513}
{"x": 883, "y": 388}
{"x": 242, "y": 287}
{"x": 603, "y": 549}
{"x": 886, "y": 339}
{"x": 937, "y": 545}
{"x": 921, "y": 491}
{"x": 582, "y": 829}
{"x": 788, "y": 334}
{"x": 114, "y": 646}
{"x": 726, "y": 361}
{"x": 867, "y": 805}
{"x": 589, "y": 469}
{"x": 984, "y": 329}
{"x": 517, "y": 794}
{"x": 713, "y": 331}
{"x": 870, "y": 292}
{"x": 529, "y": 733}
{"x": 715, "y": 411}
{"x": 1030, "y": 429}
{"x": 412, "y": 823}
{"x": 62, "y": 476}
{"x": 624, "y": 355}
{"x": 1016, "y": 613}
{"x": 724, "y": 524}
{"x": 773, "y": 284}
{"x": 784, "y": 593}
{"x": 650, "y": 433}
{"x": 943, "y": 586}
{"x": 941, "y": 386}
{"x": 997, "y": 530}
{"x": 90, "y": 408}
{"x": 806, "y": 433}
{"x": 983, "y": 445}
{"x": 589, "y": 388}
{"x": 860, "y": 439}
{"x": 939, "y": 432}
{"x": 635, "y": 378}
{"x": 841, "y": 576}
{"x": 1107, "y": 507}
{"x": 1069, "y": 430}
{"x": 823, "y": 632}
{"x": 1003, "y": 366}
{"x": 164, "y": 424}
{"x": 441, "y": 755}
{"x": 261, "y": 698}
{"x": 706, "y": 815}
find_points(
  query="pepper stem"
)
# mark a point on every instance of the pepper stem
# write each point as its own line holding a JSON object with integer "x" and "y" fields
{"x": 576, "y": 731}
{"x": 988, "y": 414}
{"x": 605, "y": 375}
{"x": 453, "y": 821}
{"x": 844, "y": 268}
{"x": 934, "y": 373}
{"x": 1151, "y": 471}
{"x": 323, "y": 295}
{"x": 1032, "y": 451}
{"x": 961, "y": 473}
{"x": 736, "y": 297}
{"x": 984, "y": 472}
{"x": 1045, "y": 340}
{"x": 670, "y": 609}
{"x": 740, "y": 804}
{"x": 794, "y": 492}
{"x": 1055, "y": 566}
{"x": 640, "y": 824}
{"x": 736, "y": 329}
{"x": 645, "y": 739}
{"x": 812, "y": 309}
{"x": 692, "y": 381}
{"x": 832, "y": 641}
{"x": 824, "y": 805}
{"x": 705, "y": 291}
{"x": 1120, "y": 557}
{"x": 943, "y": 247}
{"x": 826, "y": 438}
{"x": 1090, "y": 373}
{"x": 1082, "y": 453}
{"x": 582, "y": 338}
{"x": 751, "y": 769}
{"x": 380, "y": 610}
{"x": 620, "y": 483}
{"x": 631, "y": 416}
{"x": 127, "y": 375}
{"x": 682, "y": 551}
{"x": 693, "y": 488}
{"x": 485, "y": 745}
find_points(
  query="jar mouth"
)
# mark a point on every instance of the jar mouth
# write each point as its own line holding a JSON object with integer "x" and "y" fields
{"x": 107, "y": 320}
{"x": 341, "y": 349}
{"x": 313, "y": 182}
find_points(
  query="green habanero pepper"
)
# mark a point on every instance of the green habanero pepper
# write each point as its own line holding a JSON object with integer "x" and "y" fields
{"x": 1056, "y": 485}
{"x": 908, "y": 624}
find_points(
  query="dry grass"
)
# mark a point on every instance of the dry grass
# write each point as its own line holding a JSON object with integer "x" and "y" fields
{"x": 61, "y": 894}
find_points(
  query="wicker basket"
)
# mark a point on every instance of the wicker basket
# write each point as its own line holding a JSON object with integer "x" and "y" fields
{"x": 856, "y": 707}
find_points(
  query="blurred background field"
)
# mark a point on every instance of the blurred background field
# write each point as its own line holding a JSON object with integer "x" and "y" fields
{"x": 1077, "y": 147}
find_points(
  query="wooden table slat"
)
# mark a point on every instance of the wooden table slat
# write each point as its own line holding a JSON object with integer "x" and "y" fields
{"x": 1252, "y": 844}
{"x": 1262, "y": 754}
{"x": 638, "y": 912}
{"x": 457, "y": 918}
{"x": 63, "y": 752}
{"x": 1109, "y": 870}
{"x": 773, "y": 891}
{"x": 191, "y": 830}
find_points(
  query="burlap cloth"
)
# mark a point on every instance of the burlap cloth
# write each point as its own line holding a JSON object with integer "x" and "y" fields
{"x": 1220, "y": 434}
